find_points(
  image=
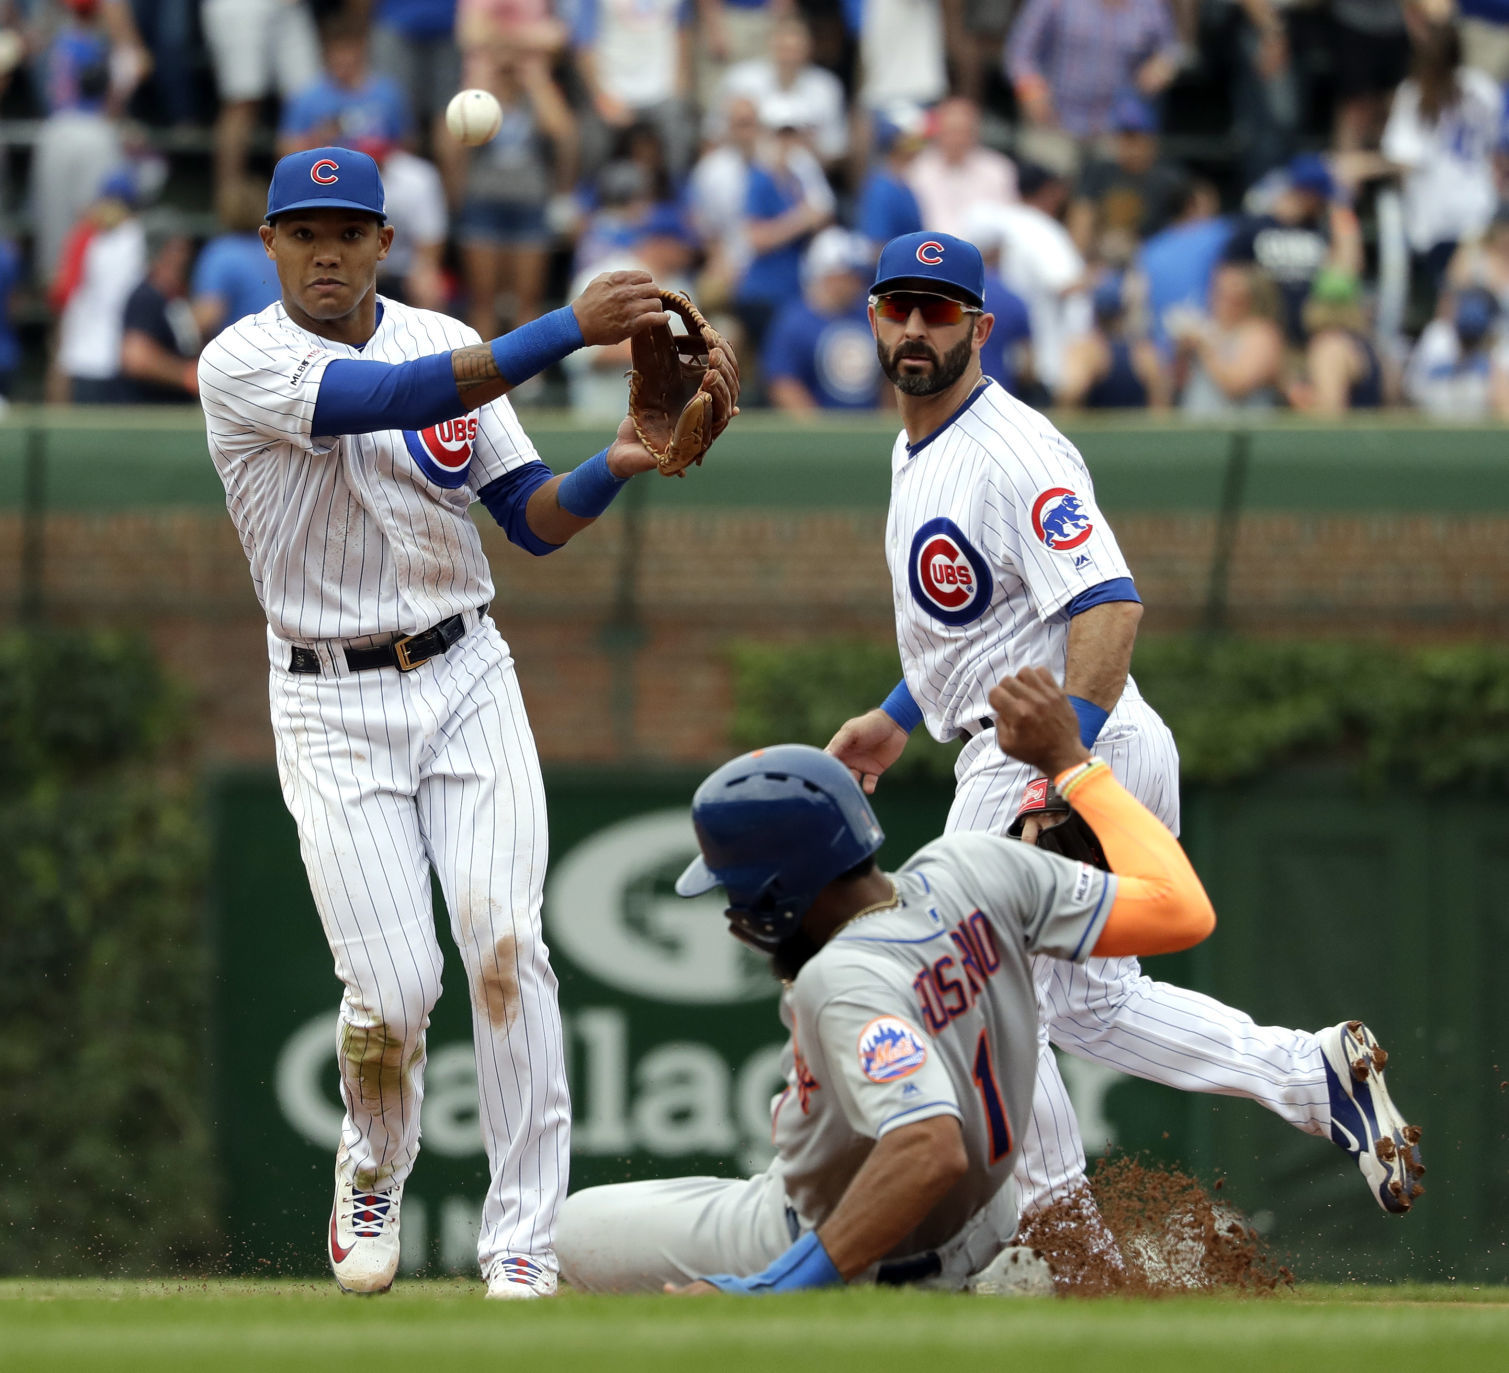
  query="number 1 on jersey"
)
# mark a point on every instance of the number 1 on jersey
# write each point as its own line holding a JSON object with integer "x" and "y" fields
{"x": 990, "y": 1097}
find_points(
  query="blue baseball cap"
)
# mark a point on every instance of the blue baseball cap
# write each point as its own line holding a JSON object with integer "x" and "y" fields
{"x": 1308, "y": 172}
{"x": 930, "y": 260}
{"x": 1132, "y": 114}
{"x": 326, "y": 179}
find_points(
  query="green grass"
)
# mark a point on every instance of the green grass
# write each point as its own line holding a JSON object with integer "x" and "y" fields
{"x": 283, "y": 1327}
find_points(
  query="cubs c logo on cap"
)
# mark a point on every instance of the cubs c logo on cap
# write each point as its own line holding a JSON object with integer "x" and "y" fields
{"x": 324, "y": 171}
{"x": 890, "y": 1049}
{"x": 443, "y": 452}
{"x": 1059, "y": 519}
{"x": 930, "y": 254}
{"x": 950, "y": 580}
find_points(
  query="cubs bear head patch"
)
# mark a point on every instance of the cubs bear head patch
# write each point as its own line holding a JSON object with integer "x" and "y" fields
{"x": 949, "y": 579}
{"x": 1059, "y": 519}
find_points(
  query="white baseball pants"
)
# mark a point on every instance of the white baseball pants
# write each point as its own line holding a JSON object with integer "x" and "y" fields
{"x": 1106, "y": 1010}
{"x": 390, "y": 775}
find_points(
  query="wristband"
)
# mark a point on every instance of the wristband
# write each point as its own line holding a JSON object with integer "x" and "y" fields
{"x": 586, "y": 491}
{"x": 1067, "y": 782}
{"x": 805, "y": 1264}
{"x": 531, "y": 348}
{"x": 900, "y": 706}
{"x": 1092, "y": 719}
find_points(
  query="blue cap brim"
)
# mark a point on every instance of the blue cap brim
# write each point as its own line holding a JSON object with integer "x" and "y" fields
{"x": 327, "y": 205}
{"x": 697, "y": 878}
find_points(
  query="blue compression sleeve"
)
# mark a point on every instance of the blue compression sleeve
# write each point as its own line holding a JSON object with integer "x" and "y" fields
{"x": 805, "y": 1264}
{"x": 1117, "y": 589}
{"x": 507, "y": 500}
{"x": 900, "y": 706}
{"x": 359, "y": 397}
{"x": 586, "y": 491}
{"x": 531, "y": 348}
{"x": 1092, "y": 719}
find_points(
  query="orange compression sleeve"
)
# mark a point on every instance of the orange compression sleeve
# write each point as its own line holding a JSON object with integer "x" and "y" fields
{"x": 1160, "y": 905}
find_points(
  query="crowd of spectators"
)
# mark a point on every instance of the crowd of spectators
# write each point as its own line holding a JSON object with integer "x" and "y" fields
{"x": 1199, "y": 205}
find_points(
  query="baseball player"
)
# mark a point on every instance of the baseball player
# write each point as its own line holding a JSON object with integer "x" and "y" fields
{"x": 912, "y": 1013}
{"x": 999, "y": 558}
{"x": 352, "y": 433}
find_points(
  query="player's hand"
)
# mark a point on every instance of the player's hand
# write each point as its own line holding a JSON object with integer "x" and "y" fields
{"x": 1035, "y": 825}
{"x": 1035, "y": 722}
{"x": 691, "y": 1289}
{"x": 617, "y": 304}
{"x": 627, "y": 457}
{"x": 867, "y": 745}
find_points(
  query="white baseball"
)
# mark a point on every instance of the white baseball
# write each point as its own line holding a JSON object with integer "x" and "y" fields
{"x": 473, "y": 116}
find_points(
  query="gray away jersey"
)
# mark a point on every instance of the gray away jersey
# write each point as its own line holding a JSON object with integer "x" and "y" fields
{"x": 358, "y": 534}
{"x": 928, "y": 1009}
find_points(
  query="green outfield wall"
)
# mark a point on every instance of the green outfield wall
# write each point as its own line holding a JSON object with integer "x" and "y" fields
{"x": 1389, "y": 907}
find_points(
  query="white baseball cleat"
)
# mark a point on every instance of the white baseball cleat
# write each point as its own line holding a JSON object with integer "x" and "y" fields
{"x": 364, "y": 1237}
{"x": 1364, "y": 1120}
{"x": 1016, "y": 1271}
{"x": 517, "y": 1278}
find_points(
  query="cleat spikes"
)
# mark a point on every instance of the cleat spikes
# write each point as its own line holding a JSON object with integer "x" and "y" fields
{"x": 1385, "y": 1149}
{"x": 1411, "y": 1134}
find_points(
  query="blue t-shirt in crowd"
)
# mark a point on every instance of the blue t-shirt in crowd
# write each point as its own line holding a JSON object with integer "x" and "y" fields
{"x": 833, "y": 356}
{"x": 70, "y": 55}
{"x": 10, "y": 276}
{"x": 1013, "y": 326}
{"x": 776, "y": 276}
{"x": 887, "y": 208}
{"x": 1178, "y": 263}
{"x": 235, "y": 268}
{"x": 377, "y": 110}
{"x": 418, "y": 18}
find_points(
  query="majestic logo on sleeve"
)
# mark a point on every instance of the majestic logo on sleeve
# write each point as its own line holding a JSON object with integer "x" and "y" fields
{"x": 443, "y": 452}
{"x": 949, "y": 578}
{"x": 324, "y": 171}
{"x": 930, "y": 254}
{"x": 890, "y": 1049}
{"x": 1059, "y": 518}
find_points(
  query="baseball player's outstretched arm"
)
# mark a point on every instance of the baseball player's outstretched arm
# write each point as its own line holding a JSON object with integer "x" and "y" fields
{"x": 867, "y": 745}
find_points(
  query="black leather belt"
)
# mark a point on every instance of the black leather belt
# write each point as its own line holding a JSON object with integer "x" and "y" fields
{"x": 975, "y": 727}
{"x": 405, "y": 653}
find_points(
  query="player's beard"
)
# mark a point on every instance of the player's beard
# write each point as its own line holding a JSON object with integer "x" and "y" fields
{"x": 790, "y": 956}
{"x": 946, "y": 370}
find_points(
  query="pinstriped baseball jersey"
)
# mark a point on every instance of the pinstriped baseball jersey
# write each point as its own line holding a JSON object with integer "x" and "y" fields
{"x": 365, "y": 533}
{"x": 993, "y": 530}
{"x": 926, "y": 1009}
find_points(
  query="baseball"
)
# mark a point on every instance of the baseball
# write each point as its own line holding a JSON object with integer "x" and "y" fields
{"x": 473, "y": 116}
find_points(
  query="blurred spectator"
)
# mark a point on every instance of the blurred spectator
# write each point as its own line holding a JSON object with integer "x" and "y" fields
{"x": 1232, "y": 359}
{"x": 819, "y": 353}
{"x": 954, "y": 174}
{"x": 1251, "y": 43}
{"x": 167, "y": 29}
{"x": 1369, "y": 58}
{"x": 1308, "y": 228}
{"x": 624, "y": 201}
{"x": 76, "y": 148}
{"x": 790, "y": 72}
{"x": 1039, "y": 262}
{"x": 91, "y": 33}
{"x": 1484, "y": 26}
{"x": 1129, "y": 196}
{"x": 635, "y": 61}
{"x": 1453, "y": 372}
{"x": 234, "y": 277}
{"x": 789, "y": 201}
{"x": 413, "y": 269}
{"x": 1342, "y": 368}
{"x": 1442, "y": 133}
{"x": 1006, "y": 356}
{"x": 1485, "y": 262}
{"x": 258, "y": 47}
{"x": 902, "y": 46}
{"x": 1108, "y": 370}
{"x": 414, "y": 44}
{"x": 160, "y": 339}
{"x": 11, "y": 271}
{"x": 502, "y": 227}
{"x": 735, "y": 31}
{"x": 348, "y": 104}
{"x": 887, "y": 206}
{"x": 104, "y": 259}
{"x": 1069, "y": 60}
{"x": 1177, "y": 264}
{"x": 716, "y": 196}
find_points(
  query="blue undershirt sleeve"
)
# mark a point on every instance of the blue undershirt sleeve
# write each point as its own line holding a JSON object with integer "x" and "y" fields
{"x": 361, "y": 397}
{"x": 506, "y": 500}
{"x": 1117, "y": 589}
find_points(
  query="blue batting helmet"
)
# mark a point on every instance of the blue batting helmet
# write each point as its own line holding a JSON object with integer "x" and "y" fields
{"x": 775, "y": 827}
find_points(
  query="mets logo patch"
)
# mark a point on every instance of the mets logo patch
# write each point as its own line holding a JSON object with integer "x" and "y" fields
{"x": 890, "y": 1049}
{"x": 949, "y": 578}
{"x": 1058, "y": 517}
{"x": 443, "y": 452}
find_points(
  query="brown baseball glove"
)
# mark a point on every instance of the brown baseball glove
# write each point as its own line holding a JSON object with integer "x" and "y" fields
{"x": 677, "y": 407}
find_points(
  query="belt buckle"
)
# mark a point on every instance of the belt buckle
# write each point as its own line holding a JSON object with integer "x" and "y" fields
{"x": 401, "y": 653}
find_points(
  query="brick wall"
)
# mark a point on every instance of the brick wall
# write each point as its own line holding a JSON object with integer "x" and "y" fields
{"x": 621, "y": 639}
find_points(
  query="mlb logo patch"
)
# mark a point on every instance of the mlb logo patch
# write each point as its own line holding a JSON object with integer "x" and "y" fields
{"x": 949, "y": 579}
{"x": 890, "y": 1049}
{"x": 443, "y": 452}
{"x": 1059, "y": 519}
